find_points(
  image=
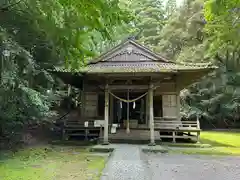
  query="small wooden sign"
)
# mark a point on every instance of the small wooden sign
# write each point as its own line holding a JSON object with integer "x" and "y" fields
{"x": 99, "y": 123}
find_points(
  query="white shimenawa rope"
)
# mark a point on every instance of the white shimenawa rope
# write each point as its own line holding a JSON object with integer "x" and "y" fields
{"x": 128, "y": 101}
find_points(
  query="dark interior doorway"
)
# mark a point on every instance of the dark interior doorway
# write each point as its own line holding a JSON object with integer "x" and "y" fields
{"x": 136, "y": 110}
{"x": 157, "y": 106}
{"x": 101, "y": 105}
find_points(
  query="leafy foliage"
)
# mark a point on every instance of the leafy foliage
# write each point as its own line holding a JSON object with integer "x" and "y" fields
{"x": 182, "y": 36}
{"x": 149, "y": 18}
{"x": 36, "y": 35}
{"x": 216, "y": 97}
{"x": 223, "y": 24}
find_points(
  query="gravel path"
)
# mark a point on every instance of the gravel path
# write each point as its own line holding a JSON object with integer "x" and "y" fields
{"x": 126, "y": 163}
{"x": 129, "y": 163}
{"x": 189, "y": 167}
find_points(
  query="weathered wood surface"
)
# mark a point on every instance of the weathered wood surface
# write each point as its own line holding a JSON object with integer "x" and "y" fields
{"x": 151, "y": 116}
{"x": 91, "y": 102}
{"x": 79, "y": 128}
{"x": 135, "y": 134}
{"x": 176, "y": 124}
{"x": 106, "y": 116}
{"x": 144, "y": 134}
{"x": 176, "y": 129}
{"x": 169, "y": 105}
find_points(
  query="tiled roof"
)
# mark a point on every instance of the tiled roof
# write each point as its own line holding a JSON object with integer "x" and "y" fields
{"x": 133, "y": 67}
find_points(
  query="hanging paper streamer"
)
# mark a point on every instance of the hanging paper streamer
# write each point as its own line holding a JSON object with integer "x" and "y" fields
{"x": 134, "y": 105}
{"x": 121, "y": 104}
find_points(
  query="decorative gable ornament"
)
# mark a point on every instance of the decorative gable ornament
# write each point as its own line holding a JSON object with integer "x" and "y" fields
{"x": 129, "y": 50}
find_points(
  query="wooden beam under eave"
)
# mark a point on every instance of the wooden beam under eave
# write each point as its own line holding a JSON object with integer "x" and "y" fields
{"x": 137, "y": 87}
{"x": 137, "y": 74}
{"x": 122, "y": 87}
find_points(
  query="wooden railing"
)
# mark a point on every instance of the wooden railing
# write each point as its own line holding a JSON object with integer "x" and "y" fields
{"x": 177, "y": 129}
{"x": 173, "y": 123}
{"x": 80, "y": 128}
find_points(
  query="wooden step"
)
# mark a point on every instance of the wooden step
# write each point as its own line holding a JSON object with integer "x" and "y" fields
{"x": 134, "y": 135}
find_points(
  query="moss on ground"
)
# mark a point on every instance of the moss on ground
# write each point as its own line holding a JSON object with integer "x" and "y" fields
{"x": 222, "y": 143}
{"x": 47, "y": 163}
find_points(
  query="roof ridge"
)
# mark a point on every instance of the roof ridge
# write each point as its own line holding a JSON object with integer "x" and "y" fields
{"x": 150, "y": 51}
{"x": 98, "y": 58}
{"x": 135, "y": 43}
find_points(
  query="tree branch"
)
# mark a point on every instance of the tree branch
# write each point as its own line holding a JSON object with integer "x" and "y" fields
{"x": 4, "y": 9}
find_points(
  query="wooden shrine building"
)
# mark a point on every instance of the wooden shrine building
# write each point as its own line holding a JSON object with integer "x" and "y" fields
{"x": 131, "y": 88}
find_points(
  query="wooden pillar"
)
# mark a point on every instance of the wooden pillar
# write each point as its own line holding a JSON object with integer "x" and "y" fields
{"x": 174, "y": 136}
{"x": 151, "y": 118}
{"x": 178, "y": 100}
{"x": 198, "y": 137}
{"x": 69, "y": 89}
{"x": 111, "y": 109}
{"x": 147, "y": 110}
{"x": 68, "y": 94}
{"x": 128, "y": 123}
{"x": 106, "y": 114}
{"x": 198, "y": 133}
{"x": 178, "y": 103}
{"x": 83, "y": 99}
{"x": 198, "y": 123}
{"x": 142, "y": 111}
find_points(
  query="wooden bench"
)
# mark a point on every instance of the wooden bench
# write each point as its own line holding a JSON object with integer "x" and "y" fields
{"x": 174, "y": 128}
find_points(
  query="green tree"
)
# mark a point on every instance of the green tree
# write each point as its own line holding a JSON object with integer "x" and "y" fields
{"x": 171, "y": 8}
{"x": 223, "y": 24}
{"x": 149, "y": 20}
{"x": 186, "y": 37}
{"x": 182, "y": 36}
{"x": 216, "y": 98}
{"x": 36, "y": 35}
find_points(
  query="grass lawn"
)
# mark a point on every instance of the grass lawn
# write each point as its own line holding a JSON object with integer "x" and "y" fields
{"x": 222, "y": 142}
{"x": 222, "y": 139}
{"x": 51, "y": 163}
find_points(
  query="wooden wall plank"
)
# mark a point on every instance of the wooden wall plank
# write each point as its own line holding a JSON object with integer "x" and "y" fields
{"x": 169, "y": 105}
{"x": 91, "y": 104}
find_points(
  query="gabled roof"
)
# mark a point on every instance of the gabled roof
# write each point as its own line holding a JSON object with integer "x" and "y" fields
{"x": 131, "y": 57}
{"x": 129, "y": 47}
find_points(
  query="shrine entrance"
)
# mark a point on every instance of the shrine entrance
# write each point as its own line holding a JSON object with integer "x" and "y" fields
{"x": 134, "y": 111}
